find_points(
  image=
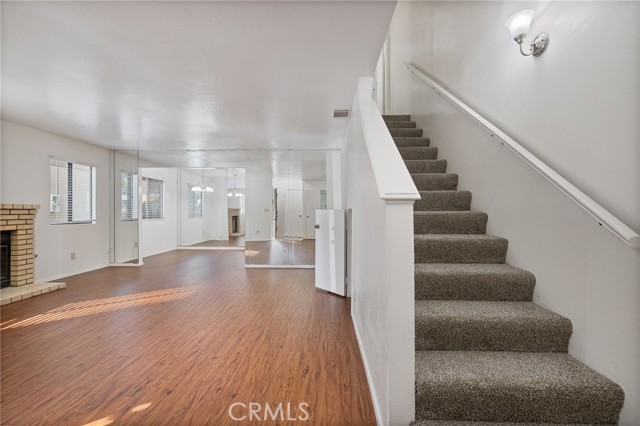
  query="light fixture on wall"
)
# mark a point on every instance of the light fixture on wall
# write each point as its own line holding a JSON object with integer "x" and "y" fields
{"x": 518, "y": 25}
{"x": 208, "y": 188}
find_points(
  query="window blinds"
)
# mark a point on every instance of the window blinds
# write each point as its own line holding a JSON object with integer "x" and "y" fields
{"x": 129, "y": 193}
{"x": 72, "y": 197}
{"x": 152, "y": 198}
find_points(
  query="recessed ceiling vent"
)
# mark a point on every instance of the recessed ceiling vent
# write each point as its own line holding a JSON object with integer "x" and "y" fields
{"x": 341, "y": 113}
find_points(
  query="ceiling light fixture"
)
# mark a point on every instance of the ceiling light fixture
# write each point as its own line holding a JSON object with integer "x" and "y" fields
{"x": 518, "y": 25}
{"x": 235, "y": 192}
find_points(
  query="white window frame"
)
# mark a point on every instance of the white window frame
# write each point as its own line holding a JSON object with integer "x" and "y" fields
{"x": 54, "y": 199}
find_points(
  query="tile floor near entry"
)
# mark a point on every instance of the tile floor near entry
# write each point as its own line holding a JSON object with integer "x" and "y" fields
{"x": 14, "y": 294}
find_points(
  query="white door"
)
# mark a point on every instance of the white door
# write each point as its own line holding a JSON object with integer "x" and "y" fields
{"x": 311, "y": 201}
{"x": 330, "y": 251}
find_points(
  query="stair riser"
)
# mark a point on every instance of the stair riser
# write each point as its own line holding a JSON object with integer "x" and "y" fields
{"x": 401, "y": 124}
{"x": 432, "y": 286}
{"x": 426, "y": 166}
{"x": 418, "y": 153}
{"x": 445, "y": 402}
{"x": 448, "y": 251}
{"x": 400, "y": 117}
{"x": 454, "y": 334}
{"x": 416, "y": 133}
{"x": 443, "y": 201}
{"x": 412, "y": 142}
{"x": 465, "y": 223}
{"x": 435, "y": 182}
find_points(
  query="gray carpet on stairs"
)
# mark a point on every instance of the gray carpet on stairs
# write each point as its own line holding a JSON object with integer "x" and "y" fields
{"x": 473, "y": 281}
{"x": 435, "y": 181}
{"x": 459, "y": 248}
{"x": 418, "y": 153}
{"x": 456, "y": 222}
{"x": 486, "y": 355}
{"x": 513, "y": 387}
{"x": 405, "y": 132}
{"x": 464, "y": 423}
{"x": 401, "y": 124}
{"x": 411, "y": 141}
{"x": 464, "y": 325}
{"x": 426, "y": 166}
{"x": 443, "y": 201}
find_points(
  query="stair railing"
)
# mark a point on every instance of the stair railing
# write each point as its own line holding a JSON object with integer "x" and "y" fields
{"x": 602, "y": 215}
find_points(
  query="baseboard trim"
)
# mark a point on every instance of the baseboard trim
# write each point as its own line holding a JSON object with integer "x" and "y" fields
{"x": 372, "y": 389}
{"x": 211, "y": 248}
{"x": 70, "y": 274}
{"x": 280, "y": 266}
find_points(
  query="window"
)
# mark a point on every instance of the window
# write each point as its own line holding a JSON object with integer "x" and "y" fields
{"x": 194, "y": 202}
{"x": 72, "y": 196}
{"x": 129, "y": 196}
{"x": 152, "y": 198}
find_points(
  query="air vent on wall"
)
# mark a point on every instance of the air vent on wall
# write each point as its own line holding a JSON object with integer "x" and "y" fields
{"x": 341, "y": 113}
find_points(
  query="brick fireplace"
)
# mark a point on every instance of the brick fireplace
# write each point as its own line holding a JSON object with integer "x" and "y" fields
{"x": 17, "y": 224}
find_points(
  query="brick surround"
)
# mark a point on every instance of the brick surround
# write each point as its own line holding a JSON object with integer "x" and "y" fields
{"x": 19, "y": 219}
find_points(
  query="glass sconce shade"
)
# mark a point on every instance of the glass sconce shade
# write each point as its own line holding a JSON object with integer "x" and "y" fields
{"x": 518, "y": 24}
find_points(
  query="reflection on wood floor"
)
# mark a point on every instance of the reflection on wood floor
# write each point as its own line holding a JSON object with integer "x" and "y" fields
{"x": 232, "y": 242}
{"x": 281, "y": 252}
{"x": 176, "y": 342}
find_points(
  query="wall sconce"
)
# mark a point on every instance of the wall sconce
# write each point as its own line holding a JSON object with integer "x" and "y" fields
{"x": 518, "y": 25}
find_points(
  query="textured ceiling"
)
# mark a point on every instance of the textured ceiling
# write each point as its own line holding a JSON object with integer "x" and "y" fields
{"x": 189, "y": 75}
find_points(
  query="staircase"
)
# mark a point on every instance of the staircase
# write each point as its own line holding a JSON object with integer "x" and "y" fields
{"x": 485, "y": 353}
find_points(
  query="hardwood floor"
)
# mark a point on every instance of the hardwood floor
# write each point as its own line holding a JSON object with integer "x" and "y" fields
{"x": 233, "y": 241}
{"x": 176, "y": 342}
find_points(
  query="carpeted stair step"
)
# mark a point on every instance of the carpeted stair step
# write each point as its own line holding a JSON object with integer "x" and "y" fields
{"x": 418, "y": 153}
{"x": 513, "y": 387}
{"x": 465, "y": 423}
{"x": 450, "y": 222}
{"x": 401, "y": 124}
{"x": 461, "y": 325}
{"x": 402, "y": 117}
{"x": 426, "y": 166}
{"x": 416, "y": 133}
{"x": 459, "y": 248}
{"x": 411, "y": 141}
{"x": 474, "y": 281}
{"x": 443, "y": 200}
{"x": 435, "y": 181}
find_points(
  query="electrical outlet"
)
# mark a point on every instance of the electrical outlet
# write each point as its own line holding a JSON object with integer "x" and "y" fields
{"x": 284, "y": 251}
{"x": 73, "y": 255}
{"x": 135, "y": 244}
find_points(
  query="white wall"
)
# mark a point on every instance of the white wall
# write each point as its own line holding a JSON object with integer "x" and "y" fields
{"x": 381, "y": 257}
{"x": 576, "y": 107}
{"x": 25, "y": 179}
{"x": 161, "y": 235}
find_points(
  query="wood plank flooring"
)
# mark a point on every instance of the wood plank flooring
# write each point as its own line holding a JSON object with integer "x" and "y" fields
{"x": 176, "y": 342}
